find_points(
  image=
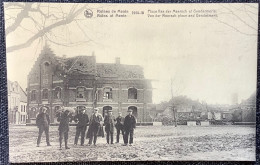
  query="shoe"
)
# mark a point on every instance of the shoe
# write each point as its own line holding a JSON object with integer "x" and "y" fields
{"x": 75, "y": 144}
{"x": 124, "y": 144}
{"x": 67, "y": 147}
{"x": 38, "y": 145}
{"x": 95, "y": 145}
{"x": 60, "y": 148}
{"x": 89, "y": 144}
{"x": 130, "y": 144}
{"x": 82, "y": 145}
{"x": 49, "y": 144}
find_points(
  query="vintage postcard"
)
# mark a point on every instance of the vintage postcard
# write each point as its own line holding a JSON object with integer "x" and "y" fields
{"x": 131, "y": 82}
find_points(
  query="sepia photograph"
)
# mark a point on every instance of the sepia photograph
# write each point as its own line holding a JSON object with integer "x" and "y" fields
{"x": 131, "y": 82}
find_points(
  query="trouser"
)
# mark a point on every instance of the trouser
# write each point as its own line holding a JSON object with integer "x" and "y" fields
{"x": 118, "y": 134}
{"x": 66, "y": 136}
{"x": 93, "y": 134}
{"x": 41, "y": 130}
{"x": 127, "y": 132}
{"x": 110, "y": 134}
{"x": 80, "y": 131}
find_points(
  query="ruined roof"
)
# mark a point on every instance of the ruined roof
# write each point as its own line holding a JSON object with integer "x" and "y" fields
{"x": 87, "y": 65}
{"x": 120, "y": 71}
{"x": 78, "y": 64}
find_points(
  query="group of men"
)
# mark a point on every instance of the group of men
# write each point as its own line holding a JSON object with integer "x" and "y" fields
{"x": 124, "y": 126}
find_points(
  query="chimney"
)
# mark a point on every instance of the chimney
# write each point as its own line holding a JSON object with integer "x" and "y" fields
{"x": 117, "y": 60}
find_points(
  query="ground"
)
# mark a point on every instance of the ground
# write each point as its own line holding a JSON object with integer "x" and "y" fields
{"x": 150, "y": 143}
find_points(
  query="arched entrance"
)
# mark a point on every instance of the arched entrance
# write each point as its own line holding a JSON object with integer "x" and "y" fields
{"x": 105, "y": 110}
{"x": 134, "y": 108}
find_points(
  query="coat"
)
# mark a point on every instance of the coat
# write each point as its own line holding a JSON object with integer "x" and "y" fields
{"x": 64, "y": 120}
{"x": 82, "y": 120}
{"x": 95, "y": 124}
{"x": 40, "y": 120}
{"x": 109, "y": 123}
{"x": 130, "y": 122}
{"x": 119, "y": 123}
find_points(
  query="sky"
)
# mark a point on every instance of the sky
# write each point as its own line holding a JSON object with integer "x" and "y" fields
{"x": 206, "y": 58}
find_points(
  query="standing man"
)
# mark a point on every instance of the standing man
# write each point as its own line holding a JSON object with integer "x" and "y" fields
{"x": 43, "y": 122}
{"x": 109, "y": 126}
{"x": 82, "y": 119}
{"x": 64, "y": 119}
{"x": 94, "y": 125}
{"x": 129, "y": 126}
{"x": 119, "y": 126}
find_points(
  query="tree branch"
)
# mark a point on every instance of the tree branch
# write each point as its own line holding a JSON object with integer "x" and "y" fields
{"x": 23, "y": 14}
{"x": 46, "y": 29}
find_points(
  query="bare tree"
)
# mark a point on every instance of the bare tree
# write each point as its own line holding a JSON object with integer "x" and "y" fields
{"x": 176, "y": 88}
{"x": 46, "y": 18}
{"x": 245, "y": 14}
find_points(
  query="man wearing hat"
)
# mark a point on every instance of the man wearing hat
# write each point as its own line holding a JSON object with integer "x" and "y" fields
{"x": 129, "y": 126}
{"x": 64, "y": 119}
{"x": 82, "y": 119}
{"x": 94, "y": 125}
{"x": 119, "y": 126}
{"x": 109, "y": 126}
{"x": 43, "y": 122}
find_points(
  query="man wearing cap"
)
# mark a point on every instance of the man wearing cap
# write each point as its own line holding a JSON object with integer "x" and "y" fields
{"x": 94, "y": 125}
{"x": 64, "y": 119}
{"x": 119, "y": 126}
{"x": 129, "y": 126}
{"x": 82, "y": 119}
{"x": 43, "y": 122}
{"x": 109, "y": 126}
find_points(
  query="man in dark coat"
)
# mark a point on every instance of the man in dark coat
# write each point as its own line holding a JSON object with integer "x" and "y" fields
{"x": 129, "y": 126}
{"x": 109, "y": 123}
{"x": 64, "y": 119}
{"x": 119, "y": 126}
{"x": 43, "y": 122}
{"x": 82, "y": 119}
{"x": 94, "y": 126}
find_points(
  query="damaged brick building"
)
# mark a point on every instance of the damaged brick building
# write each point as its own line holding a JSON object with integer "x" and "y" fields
{"x": 80, "y": 82}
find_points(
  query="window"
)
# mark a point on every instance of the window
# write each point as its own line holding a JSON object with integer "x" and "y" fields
{"x": 57, "y": 93}
{"x": 33, "y": 95}
{"x": 21, "y": 108}
{"x": 46, "y": 67}
{"x": 107, "y": 93}
{"x": 80, "y": 92}
{"x": 132, "y": 93}
{"x": 45, "y": 94}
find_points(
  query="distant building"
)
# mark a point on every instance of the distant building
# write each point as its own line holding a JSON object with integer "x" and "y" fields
{"x": 17, "y": 103}
{"x": 248, "y": 108}
{"x": 80, "y": 82}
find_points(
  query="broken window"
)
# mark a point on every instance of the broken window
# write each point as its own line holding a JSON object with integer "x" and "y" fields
{"x": 80, "y": 92}
{"x": 107, "y": 93}
{"x": 57, "y": 93}
{"x": 45, "y": 94}
{"x": 132, "y": 93}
